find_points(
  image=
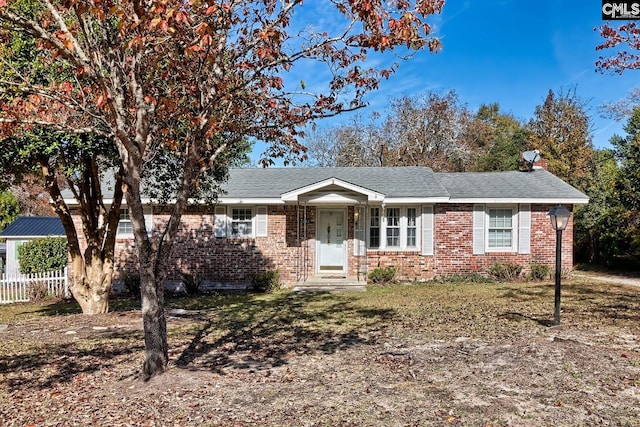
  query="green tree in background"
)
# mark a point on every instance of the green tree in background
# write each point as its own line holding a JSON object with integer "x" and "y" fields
{"x": 627, "y": 152}
{"x": 503, "y": 139}
{"x": 9, "y": 209}
{"x": 600, "y": 232}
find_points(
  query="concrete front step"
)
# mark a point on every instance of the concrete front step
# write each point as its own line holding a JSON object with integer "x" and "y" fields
{"x": 330, "y": 284}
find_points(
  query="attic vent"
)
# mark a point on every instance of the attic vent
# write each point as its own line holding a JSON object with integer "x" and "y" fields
{"x": 530, "y": 157}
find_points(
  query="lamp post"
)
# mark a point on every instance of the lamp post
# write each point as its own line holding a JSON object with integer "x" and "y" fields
{"x": 559, "y": 219}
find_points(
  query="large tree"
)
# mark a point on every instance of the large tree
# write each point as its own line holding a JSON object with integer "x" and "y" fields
{"x": 190, "y": 78}
{"x": 78, "y": 163}
{"x": 38, "y": 160}
{"x": 601, "y": 232}
{"x": 500, "y": 139}
{"x": 561, "y": 131}
{"x": 429, "y": 131}
{"x": 627, "y": 152}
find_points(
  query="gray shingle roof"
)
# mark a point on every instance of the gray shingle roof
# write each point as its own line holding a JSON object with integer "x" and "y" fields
{"x": 34, "y": 226}
{"x": 398, "y": 182}
{"x": 536, "y": 184}
{"x": 392, "y": 182}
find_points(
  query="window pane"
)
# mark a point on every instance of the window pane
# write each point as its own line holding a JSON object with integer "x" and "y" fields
{"x": 411, "y": 217}
{"x": 411, "y": 227}
{"x": 500, "y": 238}
{"x": 500, "y": 218}
{"x": 374, "y": 228}
{"x": 374, "y": 238}
{"x": 124, "y": 226}
{"x": 375, "y": 217}
{"x": 393, "y": 227}
{"x": 242, "y": 214}
{"x": 241, "y": 222}
{"x": 411, "y": 237}
{"x": 500, "y": 228}
{"x": 393, "y": 236}
{"x": 393, "y": 217}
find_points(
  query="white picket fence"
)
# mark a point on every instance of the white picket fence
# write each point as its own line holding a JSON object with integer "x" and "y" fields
{"x": 15, "y": 288}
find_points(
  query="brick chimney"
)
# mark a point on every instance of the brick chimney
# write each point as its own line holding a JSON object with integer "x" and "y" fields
{"x": 541, "y": 164}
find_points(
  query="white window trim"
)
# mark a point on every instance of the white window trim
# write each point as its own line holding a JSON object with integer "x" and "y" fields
{"x": 368, "y": 228}
{"x": 148, "y": 222}
{"x": 514, "y": 229}
{"x": 259, "y": 226}
{"x": 119, "y": 232}
{"x": 403, "y": 229}
{"x": 251, "y": 235}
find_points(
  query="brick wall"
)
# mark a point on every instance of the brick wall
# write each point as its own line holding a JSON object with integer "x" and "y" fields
{"x": 234, "y": 260}
{"x": 453, "y": 240}
{"x": 291, "y": 247}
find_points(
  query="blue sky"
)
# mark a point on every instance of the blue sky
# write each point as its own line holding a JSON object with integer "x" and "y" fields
{"x": 510, "y": 52}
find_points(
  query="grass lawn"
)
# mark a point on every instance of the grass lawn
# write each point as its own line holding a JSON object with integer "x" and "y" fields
{"x": 421, "y": 354}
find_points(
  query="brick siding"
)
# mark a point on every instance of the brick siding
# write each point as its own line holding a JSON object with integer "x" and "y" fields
{"x": 290, "y": 247}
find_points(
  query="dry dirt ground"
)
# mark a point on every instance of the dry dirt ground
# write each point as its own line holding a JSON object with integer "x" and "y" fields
{"x": 405, "y": 355}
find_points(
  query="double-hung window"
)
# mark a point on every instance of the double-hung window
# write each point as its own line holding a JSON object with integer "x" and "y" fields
{"x": 412, "y": 227}
{"x": 374, "y": 228}
{"x": 393, "y": 227}
{"x": 241, "y": 222}
{"x": 124, "y": 226}
{"x": 500, "y": 229}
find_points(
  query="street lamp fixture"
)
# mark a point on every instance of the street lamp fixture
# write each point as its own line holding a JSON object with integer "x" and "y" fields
{"x": 559, "y": 219}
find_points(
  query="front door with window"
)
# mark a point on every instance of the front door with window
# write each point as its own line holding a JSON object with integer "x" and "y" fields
{"x": 331, "y": 241}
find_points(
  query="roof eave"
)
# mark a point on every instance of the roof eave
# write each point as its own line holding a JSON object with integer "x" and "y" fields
{"x": 415, "y": 200}
{"x": 506, "y": 200}
{"x": 250, "y": 201}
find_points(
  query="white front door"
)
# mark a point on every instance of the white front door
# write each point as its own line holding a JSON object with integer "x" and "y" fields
{"x": 331, "y": 237}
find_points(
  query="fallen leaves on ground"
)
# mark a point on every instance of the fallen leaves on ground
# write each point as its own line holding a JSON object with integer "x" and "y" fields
{"x": 427, "y": 354}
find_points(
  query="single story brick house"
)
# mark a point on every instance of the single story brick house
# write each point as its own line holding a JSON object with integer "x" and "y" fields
{"x": 314, "y": 223}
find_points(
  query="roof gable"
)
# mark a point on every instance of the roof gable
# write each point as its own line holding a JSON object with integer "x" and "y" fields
{"x": 333, "y": 185}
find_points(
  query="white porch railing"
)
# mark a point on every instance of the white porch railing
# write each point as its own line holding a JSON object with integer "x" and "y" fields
{"x": 15, "y": 288}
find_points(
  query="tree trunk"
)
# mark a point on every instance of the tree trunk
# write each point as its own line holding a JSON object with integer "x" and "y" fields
{"x": 91, "y": 272}
{"x": 151, "y": 284}
{"x": 154, "y": 259}
{"x": 156, "y": 355}
{"x": 91, "y": 284}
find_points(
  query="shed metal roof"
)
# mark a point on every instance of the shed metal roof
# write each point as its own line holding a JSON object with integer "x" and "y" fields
{"x": 34, "y": 226}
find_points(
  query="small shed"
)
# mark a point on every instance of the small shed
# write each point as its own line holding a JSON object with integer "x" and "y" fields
{"x": 24, "y": 229}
